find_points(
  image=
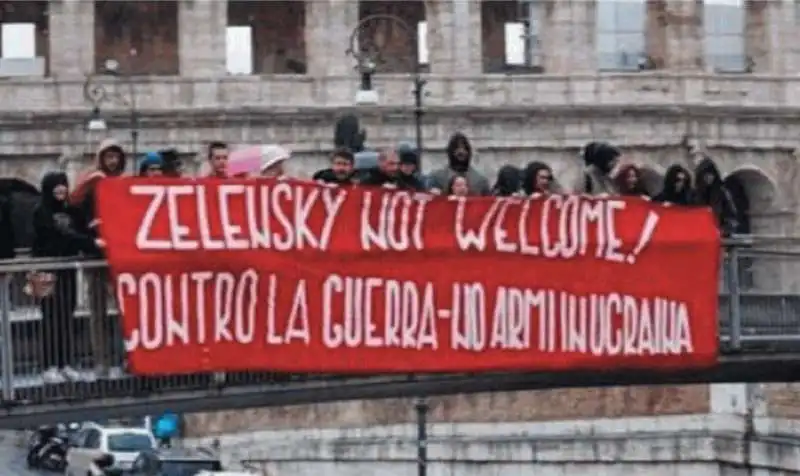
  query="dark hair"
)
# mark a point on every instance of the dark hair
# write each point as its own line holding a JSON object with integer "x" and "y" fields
{"x": 344, "y": 153}
{"x": 452, "y": 181}
{"x": 216, "y": 145}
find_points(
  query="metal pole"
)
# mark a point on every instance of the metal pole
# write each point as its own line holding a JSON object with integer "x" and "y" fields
{"x": 422, "y": 436}
{"x": 419, "y": 92}
{"x": 735, "y": 296}
{"x": 132, "y": 103}
{"x": 8, "y": 337}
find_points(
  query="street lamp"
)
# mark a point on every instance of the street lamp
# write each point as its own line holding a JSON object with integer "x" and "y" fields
{"x": 367, "y": 53}
{"x": 98, "y": 94}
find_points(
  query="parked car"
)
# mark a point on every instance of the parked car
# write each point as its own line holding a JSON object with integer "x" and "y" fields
{"x": 95, "y": 443}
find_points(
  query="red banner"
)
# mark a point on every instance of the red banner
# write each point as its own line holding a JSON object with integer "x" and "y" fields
{"x": 290, "y": 276}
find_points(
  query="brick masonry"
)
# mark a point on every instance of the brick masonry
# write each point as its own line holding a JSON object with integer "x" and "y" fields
{"x": 544, "y": 405}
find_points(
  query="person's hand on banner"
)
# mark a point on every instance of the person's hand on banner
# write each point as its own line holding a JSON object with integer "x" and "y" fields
{"x": 100, "y": 243}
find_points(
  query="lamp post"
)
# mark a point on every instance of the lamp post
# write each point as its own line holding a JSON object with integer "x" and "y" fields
{"x": 367, "y": 53}
{"x": 98, "y": 93}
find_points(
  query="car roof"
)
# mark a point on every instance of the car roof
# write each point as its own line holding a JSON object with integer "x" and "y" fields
{"x": 119, "y": 430}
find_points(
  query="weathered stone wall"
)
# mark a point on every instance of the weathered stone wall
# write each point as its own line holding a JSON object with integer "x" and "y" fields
{"x": 464, "y": 37}
{"x": 532, "y": 406}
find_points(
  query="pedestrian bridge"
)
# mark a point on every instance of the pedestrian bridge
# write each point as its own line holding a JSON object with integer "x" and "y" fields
{"x": 759, "y": 315}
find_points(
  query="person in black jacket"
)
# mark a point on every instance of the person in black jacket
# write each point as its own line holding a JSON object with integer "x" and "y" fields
{"x": 341, "y": 170}
{"x": 59, "y": 231}
{"x": 677, "y": 188}
{"x": 711, "y": 191}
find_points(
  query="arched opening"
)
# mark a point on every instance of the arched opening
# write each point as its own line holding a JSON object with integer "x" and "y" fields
{"x": 753, "y": 194}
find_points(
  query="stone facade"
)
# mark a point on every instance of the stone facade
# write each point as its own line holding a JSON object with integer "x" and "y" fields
{"x": 175, "y": 52}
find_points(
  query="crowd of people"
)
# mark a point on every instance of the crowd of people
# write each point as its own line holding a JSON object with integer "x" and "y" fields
{"x": 65, "y": 223}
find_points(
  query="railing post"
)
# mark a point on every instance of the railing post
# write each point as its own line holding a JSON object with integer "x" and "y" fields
{"x": 421, "y": 407}
{"x": 735, "y": 297}
{"x": 7, "y": 353}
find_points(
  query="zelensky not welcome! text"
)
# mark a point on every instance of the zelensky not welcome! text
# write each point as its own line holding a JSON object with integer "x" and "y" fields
{"x": 278, "y": 217}
{"x": 293, "y": 276}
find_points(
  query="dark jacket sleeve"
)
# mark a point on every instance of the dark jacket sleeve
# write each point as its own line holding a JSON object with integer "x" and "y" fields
{"x": 8, "y": 241}
{"x": 53, "y": 240}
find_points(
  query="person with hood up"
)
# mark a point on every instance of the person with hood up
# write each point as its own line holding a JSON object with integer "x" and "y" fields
{"x": 152, "y": 165}
{"x": 172, "y": 165}
{"x": 601, "y": 161}
{"x": 341, "y": 170}
{"x": 409, "y": 168}
{"x": 712, "y": 192}
{"x": 459, "y": 158}
{"x": 58, "y": 233}
{"x": 629, "y": 182}
{"x": 677, "y": 187}
{"x": 509, "y": 182}
{"x": 386, "y": 174}
{"x": 537, "y": 179}
{"x": 110, "y": 161}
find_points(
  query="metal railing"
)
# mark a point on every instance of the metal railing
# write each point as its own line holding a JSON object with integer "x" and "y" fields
{"x": 60, "y": 336}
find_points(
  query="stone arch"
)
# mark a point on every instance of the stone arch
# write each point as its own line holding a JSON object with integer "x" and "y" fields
{"x": 753, "y": 194}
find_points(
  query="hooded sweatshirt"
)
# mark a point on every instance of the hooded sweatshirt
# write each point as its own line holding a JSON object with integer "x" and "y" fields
{"x": 509, "y": 181}
{"x": 715, "y": 195}
{"x": 83, "y": 195}
{"x": 58, "y": 227}
{"x": 670, "y": 194}
{"x": 440, "y": 178}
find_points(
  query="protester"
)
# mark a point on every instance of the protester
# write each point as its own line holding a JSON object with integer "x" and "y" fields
{"x": 600, "y": 160}
{"x": 537, "y": 178}
{"x": 273, "y": 160}
{"x": 409, "y": 168}
{"x": 712, "y": 192}
{"x": 629, "y": 182}
{"x": 58, "y": 233}
{"x": 172, "y": 164}
{"x": 386, "y": 174}
{"x": 677, "y": 189}
{"x": 459, "y": 158}
{"x": 509, "y": 182}
{"x": 218, "y": 160}
{"x": 458, "y": 186}
{"x": 152, "y": 165}
{"x": 341, "y": 170}
{"x": 110, "y": 162}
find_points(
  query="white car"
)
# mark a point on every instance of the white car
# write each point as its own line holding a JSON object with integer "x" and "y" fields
{"x": 94, "y": 441}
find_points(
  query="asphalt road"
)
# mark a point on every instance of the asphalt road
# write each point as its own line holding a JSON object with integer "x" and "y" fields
{"x": 12, "y": 462}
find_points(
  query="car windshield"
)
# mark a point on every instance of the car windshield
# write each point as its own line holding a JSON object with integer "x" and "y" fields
{"x": 129, "y": 442}
{"x": 188, "y": 468}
